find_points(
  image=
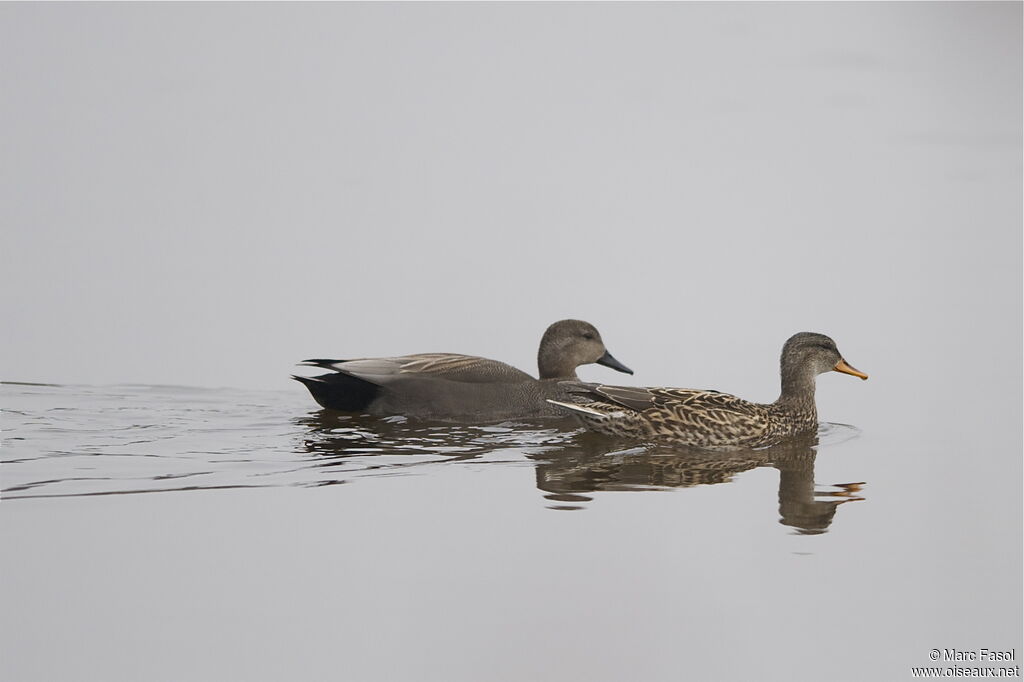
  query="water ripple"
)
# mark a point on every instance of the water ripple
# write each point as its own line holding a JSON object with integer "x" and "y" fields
{"x": 74, "y": 441}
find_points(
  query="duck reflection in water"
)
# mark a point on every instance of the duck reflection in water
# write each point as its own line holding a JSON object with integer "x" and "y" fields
{"x": 569, "y": 462}
{"x": 592, "y": 466}
{"x": 338, "y": 438}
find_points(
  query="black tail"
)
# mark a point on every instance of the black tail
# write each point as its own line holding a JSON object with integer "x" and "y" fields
{"x": 325, "y": 363}
{"x": 340, "y": 391}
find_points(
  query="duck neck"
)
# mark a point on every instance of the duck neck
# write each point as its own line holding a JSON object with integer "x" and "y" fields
{"x": 797, "y": 397}
{"x": 551, "y": 366}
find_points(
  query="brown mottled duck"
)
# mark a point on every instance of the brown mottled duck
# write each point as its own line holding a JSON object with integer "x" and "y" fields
{"x": 712, "y": 419}
{"x": 449, "y": 386}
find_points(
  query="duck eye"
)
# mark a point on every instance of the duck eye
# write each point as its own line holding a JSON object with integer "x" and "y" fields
{"x": 588, "y": 336}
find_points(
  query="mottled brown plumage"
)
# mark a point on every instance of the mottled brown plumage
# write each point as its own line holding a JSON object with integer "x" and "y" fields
{"x": 709, "y": 418}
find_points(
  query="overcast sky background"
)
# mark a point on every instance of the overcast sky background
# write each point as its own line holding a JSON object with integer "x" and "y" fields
{"x": 203, "y": 194}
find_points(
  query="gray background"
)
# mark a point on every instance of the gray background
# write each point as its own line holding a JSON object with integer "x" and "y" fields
{"x": 203, "y": 194}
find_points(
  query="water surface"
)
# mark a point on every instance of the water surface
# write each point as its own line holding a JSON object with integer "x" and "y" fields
{"x": 290, "y": 541}
{"x": 79, "y": 441}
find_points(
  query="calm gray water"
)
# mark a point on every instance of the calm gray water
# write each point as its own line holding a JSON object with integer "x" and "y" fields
{"x": 78, "y": 441}
{"x": 237, "y": 534}
{"x": 205, "y": 193}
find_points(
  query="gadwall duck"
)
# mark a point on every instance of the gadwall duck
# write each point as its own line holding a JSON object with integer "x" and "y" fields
{"x": 710, "y": 418}
{"x": 463, "y": 387}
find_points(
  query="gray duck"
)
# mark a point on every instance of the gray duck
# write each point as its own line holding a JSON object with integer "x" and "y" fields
{"x": 711, "y": 419}
{"x": 450, "y": 386}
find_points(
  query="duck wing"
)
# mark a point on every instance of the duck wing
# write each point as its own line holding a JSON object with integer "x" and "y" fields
{"x": 447, "y": 366}
{"x": 708, "y": 416}
{"x": 714, "y": 405}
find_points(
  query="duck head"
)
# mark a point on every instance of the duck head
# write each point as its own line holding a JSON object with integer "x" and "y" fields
{"x": 807, "y": 355}
{"x": 567, "y": 344}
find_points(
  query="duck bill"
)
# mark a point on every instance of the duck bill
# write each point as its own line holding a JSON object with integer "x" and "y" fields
{"x": 841, "y": 366}
{"x": 608, "y": 361}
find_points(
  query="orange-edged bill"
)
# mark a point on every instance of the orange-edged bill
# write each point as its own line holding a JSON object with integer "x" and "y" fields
{"x": 841, "y": 366}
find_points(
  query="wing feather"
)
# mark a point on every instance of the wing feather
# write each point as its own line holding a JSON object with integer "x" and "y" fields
{"x": 449, "y": 366}
{"x": 687, "y": 416}
{"x": 702, "y": 409}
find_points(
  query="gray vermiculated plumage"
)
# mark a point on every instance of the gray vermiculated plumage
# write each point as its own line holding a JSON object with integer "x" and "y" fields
{"x": 711, "y": 418}
{"x": 461, "y": 387}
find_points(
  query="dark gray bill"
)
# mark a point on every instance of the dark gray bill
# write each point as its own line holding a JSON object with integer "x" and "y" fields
{"x": 608, "y": 361}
